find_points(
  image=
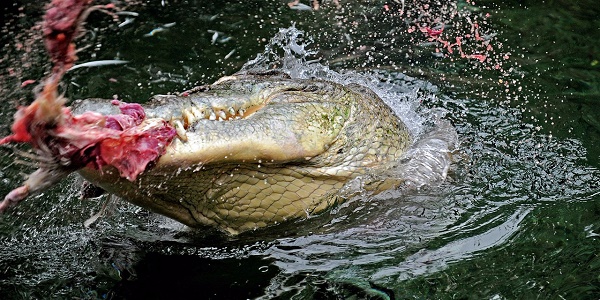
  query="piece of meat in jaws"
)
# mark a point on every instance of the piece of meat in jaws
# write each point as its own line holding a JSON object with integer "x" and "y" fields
{"x": 63, "y": 142}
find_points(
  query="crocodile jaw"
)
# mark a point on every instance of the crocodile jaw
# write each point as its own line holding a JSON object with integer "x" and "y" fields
{"x": 284, "y": 161}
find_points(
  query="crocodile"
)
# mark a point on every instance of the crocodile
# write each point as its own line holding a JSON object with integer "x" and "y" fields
{"x": 255, "y": 150}
{"x": 251, "y": 150}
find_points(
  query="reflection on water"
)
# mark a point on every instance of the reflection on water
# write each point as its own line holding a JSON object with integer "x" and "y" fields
{"x": 517, "y": 216}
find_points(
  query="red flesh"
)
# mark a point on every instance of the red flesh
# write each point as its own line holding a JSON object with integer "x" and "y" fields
{"x": 61, "y": 26}
{"x": 70, "y": 142}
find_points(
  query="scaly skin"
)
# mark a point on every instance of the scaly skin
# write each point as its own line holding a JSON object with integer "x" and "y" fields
{"x": 297, "y": 143}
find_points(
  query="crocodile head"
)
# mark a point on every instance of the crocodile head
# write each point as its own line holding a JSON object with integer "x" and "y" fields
{"x": 255, "y": 150}
{"x": 249, "y": 151}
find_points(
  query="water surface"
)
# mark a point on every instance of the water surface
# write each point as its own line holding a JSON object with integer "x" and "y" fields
{"x": 517, "y": 217}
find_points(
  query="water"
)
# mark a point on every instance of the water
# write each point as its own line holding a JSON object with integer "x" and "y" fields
{"x": 517, "y": 217}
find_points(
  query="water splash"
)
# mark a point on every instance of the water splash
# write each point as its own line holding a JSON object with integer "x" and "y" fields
{"x": 428, "y": 160}
{"x": 290, "y": 51}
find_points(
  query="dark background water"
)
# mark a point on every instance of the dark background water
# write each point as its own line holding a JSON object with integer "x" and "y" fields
{"x": 518, "y": 219}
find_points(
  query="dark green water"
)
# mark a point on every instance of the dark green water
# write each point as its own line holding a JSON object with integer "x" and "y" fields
{"x": 518, "y": 217}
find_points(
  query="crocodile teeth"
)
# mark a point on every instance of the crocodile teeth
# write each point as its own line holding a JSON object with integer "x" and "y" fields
{"x": 191, "y": 115}
{"x": 188, "y": 118}
{"x": 199, "y": 114}
{"x": 180, "y": 130}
